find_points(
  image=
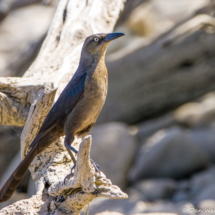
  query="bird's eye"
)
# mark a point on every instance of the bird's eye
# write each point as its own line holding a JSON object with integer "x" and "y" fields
{"x": 96, "y": 39}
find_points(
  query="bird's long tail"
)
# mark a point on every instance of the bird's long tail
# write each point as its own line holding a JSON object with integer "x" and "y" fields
{"x": 15, "y": 178}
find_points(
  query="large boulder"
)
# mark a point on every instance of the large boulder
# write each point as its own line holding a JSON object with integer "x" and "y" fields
{"x": 182, "y": 193}
{"x": 125, "y": 206}
{"x": 168, "y": 153}
{"x": 128, "y": 207}
{"x": 161, "y": 207}
{"x": 109, "y": 213}
{"x": 113, "y": 149}
{"x": 208, "y": 193}
{"x": 201, "y": 180}
{"x": 199, "y": 113}
{"x": 116, "y": 213}
{"x": 205, "y": 138}
{"x": 154, "y": 189}
{"x": 149, "y": 127}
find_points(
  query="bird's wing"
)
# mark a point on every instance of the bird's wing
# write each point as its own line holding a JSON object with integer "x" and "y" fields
{"x": 67, "y": 100}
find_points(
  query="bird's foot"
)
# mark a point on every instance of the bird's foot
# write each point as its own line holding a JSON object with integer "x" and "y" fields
{"x": 96, "y": 166}
{"x": 71, "y": 174}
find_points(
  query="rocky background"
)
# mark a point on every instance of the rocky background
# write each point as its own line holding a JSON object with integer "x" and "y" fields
{"x": 155, "y": 137}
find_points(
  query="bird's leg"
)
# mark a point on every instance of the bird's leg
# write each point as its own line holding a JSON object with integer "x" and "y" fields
{"x": 67, "y": 142}
{"x": 70, "y": 149}
{"x": 96, "y": 166}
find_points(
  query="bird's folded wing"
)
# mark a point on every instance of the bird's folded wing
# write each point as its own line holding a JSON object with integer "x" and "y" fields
{"x": 70, "y": 96}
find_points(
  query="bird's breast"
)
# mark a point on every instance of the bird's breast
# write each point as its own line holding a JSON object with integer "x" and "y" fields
{"x": 96, "y": 86}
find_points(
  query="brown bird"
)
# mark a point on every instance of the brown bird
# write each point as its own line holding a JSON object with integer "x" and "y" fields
{"x": 76, "y": 110}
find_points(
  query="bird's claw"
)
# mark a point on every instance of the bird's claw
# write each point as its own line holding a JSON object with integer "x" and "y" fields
{"x": 96, "y": 166}
{"x": 70, "y": 175}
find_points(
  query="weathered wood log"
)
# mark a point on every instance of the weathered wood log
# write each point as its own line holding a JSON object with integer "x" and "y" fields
{"x": 176, "y": 68}
{"x": 32, "y": 96}
{"x": 72, "y": 195}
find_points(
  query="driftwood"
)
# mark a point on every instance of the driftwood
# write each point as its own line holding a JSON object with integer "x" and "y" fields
{"x": 27, "y": 100}
{"x": 72, "y": 195}
{"x": 175, "y": 68}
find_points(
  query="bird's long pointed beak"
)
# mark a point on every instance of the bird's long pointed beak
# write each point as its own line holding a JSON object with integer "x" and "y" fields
{"x": 113, "y": 36}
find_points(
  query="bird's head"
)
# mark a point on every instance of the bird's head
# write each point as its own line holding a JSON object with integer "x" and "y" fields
{"x": 96, "y": 44}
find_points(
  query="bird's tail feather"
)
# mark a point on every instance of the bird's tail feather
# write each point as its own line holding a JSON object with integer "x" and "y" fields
{"x": 12, "y": 183}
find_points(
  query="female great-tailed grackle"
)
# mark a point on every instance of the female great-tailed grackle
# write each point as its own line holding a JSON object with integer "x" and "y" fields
{"x": 76, "y": 109}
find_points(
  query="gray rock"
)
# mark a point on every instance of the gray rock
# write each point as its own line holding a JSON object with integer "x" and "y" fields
{"x": 183, "y": 191}
{"x": 183, "y": 185}
{"x": 113, "y": 149}
{"x": 157, "y": 188}
{"x": 126, "y": 207}
{"x": 161, "y": 206}
{"x": 180, "y": 196}
{"x": 168, "y": 153}
{"x": 197, "y": 113}
{"x": 155, "y": 214}
{"x": 99, "y": 205}
{"x": 135, "y": 195}
{"x": 201, "y": 180}
{"x": 149, "y": 127}
{"x": 205, "y": 139}
{"x": 208, "y": 193}
{"x": 109, "y": 213}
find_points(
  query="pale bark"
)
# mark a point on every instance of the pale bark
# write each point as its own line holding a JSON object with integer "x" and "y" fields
{"x": 72, "y": 195}
{"x": 27, "y": 100}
